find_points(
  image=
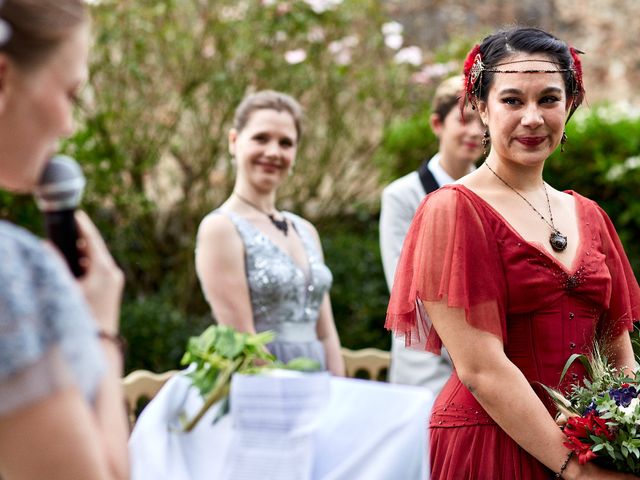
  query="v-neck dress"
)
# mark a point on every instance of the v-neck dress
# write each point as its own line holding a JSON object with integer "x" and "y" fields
{"x": 284, "y": 298}
{"x": 461, "y": 249}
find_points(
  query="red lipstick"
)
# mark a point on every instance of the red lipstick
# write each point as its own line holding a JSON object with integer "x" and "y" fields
{"x": 531, "y": 141}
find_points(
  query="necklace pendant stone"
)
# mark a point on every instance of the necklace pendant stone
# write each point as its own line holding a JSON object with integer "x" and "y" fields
{"x": 558, "y": 241}
{"x": 281, "y": 225}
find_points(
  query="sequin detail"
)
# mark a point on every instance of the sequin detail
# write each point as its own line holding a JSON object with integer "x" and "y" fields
{"x": 284, "y": 298}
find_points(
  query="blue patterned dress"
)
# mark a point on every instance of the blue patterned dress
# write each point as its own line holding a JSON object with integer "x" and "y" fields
{"x": 47, "y": 334}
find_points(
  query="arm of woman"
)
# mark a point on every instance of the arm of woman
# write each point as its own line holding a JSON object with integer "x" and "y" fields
{"x": 55, "y": 438}
{"x": 328, "y": 335}
{"x": 221, "y": 270}
{"x": 504, "y": 392}
{"x": 326, "y": 326}
{"x": 622, "y": 354}
{"x": 102, "y": 285}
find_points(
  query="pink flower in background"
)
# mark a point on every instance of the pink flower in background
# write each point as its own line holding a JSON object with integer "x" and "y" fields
{"x": 321, "y": 6}
{"x": 394, "y": 41}
{"x": 316, "y": 35}
{"x": 392, "y": 28}
{"x": 392, "y": 32}
{"x": 342, "y": 49}
{"x": 296, "y": 56}
{"x": 283, "y": 8}
{"x": 433, "y": 72}
{"x": 411, "y": 55}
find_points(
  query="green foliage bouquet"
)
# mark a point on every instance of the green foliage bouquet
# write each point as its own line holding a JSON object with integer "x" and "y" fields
{"x": 219, "y": 352}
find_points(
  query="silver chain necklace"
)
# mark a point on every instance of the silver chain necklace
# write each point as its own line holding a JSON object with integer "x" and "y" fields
{"x": 281, "y": 225}
{"x": 557, "y": 240}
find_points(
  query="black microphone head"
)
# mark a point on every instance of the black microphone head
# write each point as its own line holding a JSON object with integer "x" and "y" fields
{"x": 60, "y": 186}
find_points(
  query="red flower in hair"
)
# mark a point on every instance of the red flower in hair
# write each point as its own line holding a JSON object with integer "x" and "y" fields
{"x": 577, "y": 72}
{"x": 471, "y": 56}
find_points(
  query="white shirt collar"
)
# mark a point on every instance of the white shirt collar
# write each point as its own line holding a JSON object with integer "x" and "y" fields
{"x": 442, "y": 177}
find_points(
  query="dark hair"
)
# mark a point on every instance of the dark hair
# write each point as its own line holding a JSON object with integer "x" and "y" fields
{"x": 268, "y": 100}
{"x": 38, "y": 27}
{"x": 447, "y": 96}
{"x": 504, "y": 43}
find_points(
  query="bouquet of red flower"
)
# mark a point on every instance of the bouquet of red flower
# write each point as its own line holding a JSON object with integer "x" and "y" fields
{"x": 602, "y": 415}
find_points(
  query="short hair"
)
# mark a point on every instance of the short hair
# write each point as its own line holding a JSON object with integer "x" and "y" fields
{"x": 447, "y": 96}
{"x": 38, "y": 27}
{"x": 268, "y": 100}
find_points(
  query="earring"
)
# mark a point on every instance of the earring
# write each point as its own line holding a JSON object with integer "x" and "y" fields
{"x": 486, "y": 140}
{"x": 563, "y": 141}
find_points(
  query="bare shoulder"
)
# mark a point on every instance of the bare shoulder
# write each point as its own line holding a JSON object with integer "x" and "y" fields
{"x": 216, "y": 226}
{"x": 473, "y": 181}
{"x": 217, "y": 230}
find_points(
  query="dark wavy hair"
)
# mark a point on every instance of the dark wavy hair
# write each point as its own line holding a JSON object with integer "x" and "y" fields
{"x": 499, "y": 46}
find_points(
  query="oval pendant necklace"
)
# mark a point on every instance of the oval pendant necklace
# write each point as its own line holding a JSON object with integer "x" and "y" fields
{"x": 557, "y": 240}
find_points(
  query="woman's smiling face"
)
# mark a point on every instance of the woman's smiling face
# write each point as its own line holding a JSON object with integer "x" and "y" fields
{"x": 525, "y": 112}
{"x": 265, "y": 148}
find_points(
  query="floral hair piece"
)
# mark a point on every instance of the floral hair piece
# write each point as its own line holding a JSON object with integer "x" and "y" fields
{"x": 474, "y": 68}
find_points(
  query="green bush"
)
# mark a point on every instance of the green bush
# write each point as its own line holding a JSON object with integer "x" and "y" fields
{"x": 157, "y": 333}
{"x": 359, "y": 295}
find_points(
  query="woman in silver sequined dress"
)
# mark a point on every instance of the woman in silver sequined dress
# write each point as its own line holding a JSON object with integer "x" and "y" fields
{"x": 260, "y": 268}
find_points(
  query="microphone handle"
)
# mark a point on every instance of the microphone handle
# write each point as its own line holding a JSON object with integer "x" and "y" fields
{"x": 62, "y": 231}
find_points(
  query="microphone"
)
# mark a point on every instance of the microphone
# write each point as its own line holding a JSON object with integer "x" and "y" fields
{"x": 58, "y": 195}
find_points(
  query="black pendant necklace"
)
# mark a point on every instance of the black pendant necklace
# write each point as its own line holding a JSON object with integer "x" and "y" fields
{"x": 281, "y": 225}
{"x": 557, "y": 240}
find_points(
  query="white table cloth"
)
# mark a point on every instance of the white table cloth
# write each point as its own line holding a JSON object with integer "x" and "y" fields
{"x": 368, "y": 430}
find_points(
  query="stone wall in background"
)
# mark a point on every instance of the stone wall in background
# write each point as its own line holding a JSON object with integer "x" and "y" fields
{"x": 607, "y": 30}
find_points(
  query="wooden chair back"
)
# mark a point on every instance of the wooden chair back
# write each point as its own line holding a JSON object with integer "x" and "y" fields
{"x": 142, "y": 384}
{"x": 369, "y": 363}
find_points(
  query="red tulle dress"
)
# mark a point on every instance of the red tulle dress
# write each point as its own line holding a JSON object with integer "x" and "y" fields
{"x": 461, "y": 249}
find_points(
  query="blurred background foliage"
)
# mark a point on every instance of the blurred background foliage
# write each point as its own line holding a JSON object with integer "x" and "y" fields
{"x": 165, "y": 78}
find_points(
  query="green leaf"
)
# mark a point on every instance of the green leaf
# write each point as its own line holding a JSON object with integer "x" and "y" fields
{"x": 230, "y": 343}
{"x": 303, "y": 364}
{"x": 583, "y": 359}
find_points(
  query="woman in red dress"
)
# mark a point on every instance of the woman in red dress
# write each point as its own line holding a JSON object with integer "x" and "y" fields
{"x": 511, "y": 275}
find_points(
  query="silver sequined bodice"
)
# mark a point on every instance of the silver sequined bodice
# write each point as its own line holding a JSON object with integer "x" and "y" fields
{"x": 284, "y": 298}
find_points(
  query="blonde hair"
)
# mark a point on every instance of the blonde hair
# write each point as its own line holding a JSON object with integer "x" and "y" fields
{"x": 270, "y": 100}
{"x": 447, "y": 96}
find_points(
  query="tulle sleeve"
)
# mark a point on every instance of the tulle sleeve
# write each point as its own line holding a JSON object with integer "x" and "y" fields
{"x": 625, "y": 295}
{"x": 450, "y": 254}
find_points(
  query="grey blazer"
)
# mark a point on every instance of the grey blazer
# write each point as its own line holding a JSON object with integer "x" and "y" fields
{"x": 400, "y": 200}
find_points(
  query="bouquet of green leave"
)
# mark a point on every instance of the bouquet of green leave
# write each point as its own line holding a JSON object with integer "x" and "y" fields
{"x": 218, "y": 353}
{"x": 602, "y": 415}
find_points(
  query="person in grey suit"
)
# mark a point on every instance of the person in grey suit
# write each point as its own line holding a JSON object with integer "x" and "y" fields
{"x": 459, "y": 143}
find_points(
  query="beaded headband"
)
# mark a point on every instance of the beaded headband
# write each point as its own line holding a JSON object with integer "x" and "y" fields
{"x": 474, "y": 69}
